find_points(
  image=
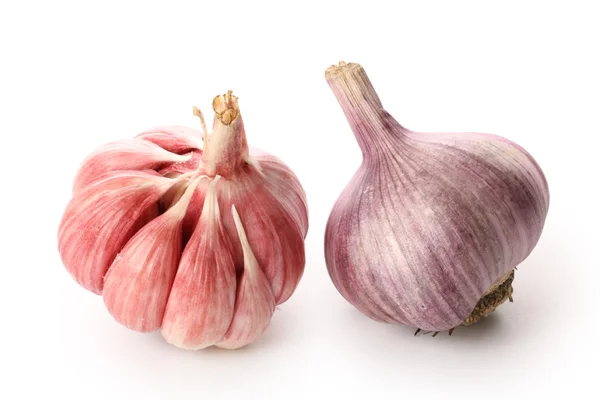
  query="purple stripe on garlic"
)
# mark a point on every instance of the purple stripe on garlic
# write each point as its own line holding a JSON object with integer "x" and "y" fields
{"x": 430, "y": 221}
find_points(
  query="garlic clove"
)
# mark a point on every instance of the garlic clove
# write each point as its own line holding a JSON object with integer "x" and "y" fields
{"x": 278, "y": 246}
{"x": 176, "y": 139}
{"x": 100, "y": 219}
{"x": 255, "y": 303}
{"x": 201, "y": 303}
{"x": 138, "y": 282}
{"x": 275, "y": 235}
{"x": 121, "y": 155}
{"x": 283, "y": 184}
{"x": 279, "y": 219}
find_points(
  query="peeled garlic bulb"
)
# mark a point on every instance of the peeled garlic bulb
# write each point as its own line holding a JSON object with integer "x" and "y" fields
{"x": 431, "y": 226}
{"x": 196, "y": 235}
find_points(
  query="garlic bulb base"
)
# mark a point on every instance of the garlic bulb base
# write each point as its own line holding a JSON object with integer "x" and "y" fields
{"x": 493, "y": 298}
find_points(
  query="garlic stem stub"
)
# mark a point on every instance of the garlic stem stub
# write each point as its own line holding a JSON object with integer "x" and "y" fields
{"x": 431, "y": 226}
{"x": 192, "y": 234}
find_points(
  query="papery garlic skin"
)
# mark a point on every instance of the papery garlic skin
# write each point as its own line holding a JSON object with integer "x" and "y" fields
{"x": 430, "y": 221}
{"x": 150, "y": 227}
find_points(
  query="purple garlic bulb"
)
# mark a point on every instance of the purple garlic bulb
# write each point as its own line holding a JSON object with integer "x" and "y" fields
{"x": 432, "y": 225}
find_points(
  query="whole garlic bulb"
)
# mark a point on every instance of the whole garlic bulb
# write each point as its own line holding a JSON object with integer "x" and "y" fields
{"x": 198, "y": 237}
{"x": 431, "y": 226}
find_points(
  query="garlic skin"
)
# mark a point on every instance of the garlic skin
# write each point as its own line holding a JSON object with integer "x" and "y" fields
{"x": 430, "y": 221}
{"x": 154, "y": 227}
{"x": 255, "y": 301}
{"x": 127, "y": 154}
{"x": 202, "y": 298}
{"x": 138, "y": 283}
{"x": 175, "y": 139}
{"x": 100, "y": 219}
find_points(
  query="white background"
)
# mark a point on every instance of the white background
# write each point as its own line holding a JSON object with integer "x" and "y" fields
{"x": 74, "y": 75}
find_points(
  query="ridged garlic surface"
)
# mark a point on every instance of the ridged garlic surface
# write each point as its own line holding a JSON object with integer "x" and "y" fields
{"x": 197, "y": 235}
{"x": 431, "y": 224}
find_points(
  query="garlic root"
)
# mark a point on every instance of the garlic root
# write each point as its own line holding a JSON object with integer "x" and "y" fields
{"x": 492, "y": 299}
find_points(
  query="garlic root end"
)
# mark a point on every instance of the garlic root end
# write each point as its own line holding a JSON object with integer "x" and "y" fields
{"x": 495, "y": 296}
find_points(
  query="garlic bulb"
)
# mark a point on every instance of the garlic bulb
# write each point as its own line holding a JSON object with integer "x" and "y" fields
{"x": 432, "y": 225}
{"x": 198, "y": 237}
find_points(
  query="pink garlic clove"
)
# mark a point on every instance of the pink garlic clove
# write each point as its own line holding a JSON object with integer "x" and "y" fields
{"x": 138, "y": 283}
{"x": 271, "y": 200}
{"x": 275, "y": 235}
{"x": 283, "y": 184}
{"x": 176, "y": 139}
{"x": 121, "y": 155}
{"x": 100, "y": 219}
{"x": 255, "y": 303}
{"x": 202, "y": 299}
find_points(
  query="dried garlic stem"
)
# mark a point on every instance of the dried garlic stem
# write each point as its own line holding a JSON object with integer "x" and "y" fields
{"x": 227, "y": 150}
{"x": 226, "y": 107}
{"x": 361, "y": 105}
